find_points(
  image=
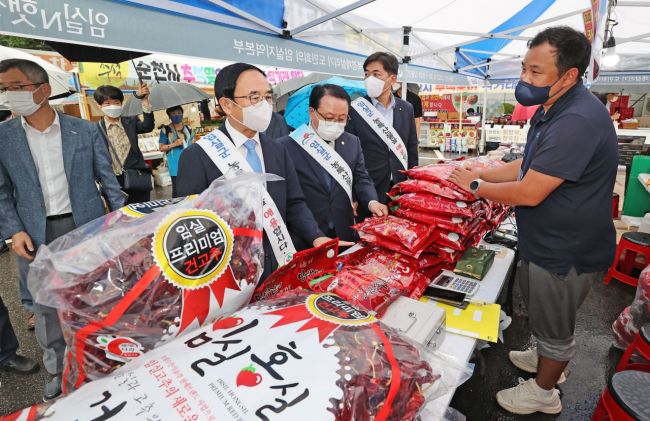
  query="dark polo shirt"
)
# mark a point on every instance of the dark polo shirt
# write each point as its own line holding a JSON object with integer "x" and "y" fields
{"x": 575, "y": 141}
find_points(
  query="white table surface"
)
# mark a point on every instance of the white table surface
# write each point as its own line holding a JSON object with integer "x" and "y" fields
{"x": 462, "y": 347}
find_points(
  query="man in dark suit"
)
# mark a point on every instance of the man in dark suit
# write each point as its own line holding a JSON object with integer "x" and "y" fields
{"x": 48, "y": 168}
{"x": 327, "y": 199}
{"x": 122, "y": 135}
{"x": 244, "y": 95}
{"x": 383, "y": 166}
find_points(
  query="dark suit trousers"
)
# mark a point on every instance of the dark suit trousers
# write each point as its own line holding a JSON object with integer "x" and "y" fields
{"x": 48, "y": 327}
{"x": 8, "y": 341}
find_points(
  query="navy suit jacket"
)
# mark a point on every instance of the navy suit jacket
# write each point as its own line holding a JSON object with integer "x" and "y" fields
{"x": 85, "y": 160}
{"x": 333, "y": 204}
{"x": 196, "y": 171}
{"x": 380, "y": 161}
{"x": 133, "y": 126}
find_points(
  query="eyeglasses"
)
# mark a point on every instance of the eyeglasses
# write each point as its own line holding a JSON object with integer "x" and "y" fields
{"x": 334, "y": 120}
{"x": 16, "y": 88}
{"x": 256, "y": 98}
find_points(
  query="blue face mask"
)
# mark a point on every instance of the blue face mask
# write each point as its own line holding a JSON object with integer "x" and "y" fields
{"x": 177, "y": 119}
{"x": 527, "y": 94}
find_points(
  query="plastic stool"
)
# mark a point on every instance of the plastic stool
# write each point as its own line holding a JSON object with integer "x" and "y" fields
{"x": 640, "y": 344}
{"x": 625, "y": 398}
{"x": 633, "y": 244}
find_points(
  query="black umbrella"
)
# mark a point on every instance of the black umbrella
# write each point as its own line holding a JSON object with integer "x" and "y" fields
{"x": 76, "y": 52}
{"x": 166, "y": 95}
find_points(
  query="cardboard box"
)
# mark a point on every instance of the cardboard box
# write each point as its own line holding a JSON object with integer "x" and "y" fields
{"x": 630, "y": 125}
{"x": 443, "y": 115}
{"x": 644, "y": 121}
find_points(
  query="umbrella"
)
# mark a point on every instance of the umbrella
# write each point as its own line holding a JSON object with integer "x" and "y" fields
{"x": 87, "y": 53}
{"x": 166, "y": 95}
{"x": 282, "y": 90}
{"x": 296, "y": 113}
{"x": 60, "y": 80}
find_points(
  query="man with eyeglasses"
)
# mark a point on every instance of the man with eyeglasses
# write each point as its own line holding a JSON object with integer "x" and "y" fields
{"x": 330, "y": 164}
{"x": 385, "y": 124}
{"x": 48, "y": 168}
{"x": 245, "y": 96}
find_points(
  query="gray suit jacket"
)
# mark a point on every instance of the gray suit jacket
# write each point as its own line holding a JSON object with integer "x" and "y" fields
{"x": 85, "y": 159}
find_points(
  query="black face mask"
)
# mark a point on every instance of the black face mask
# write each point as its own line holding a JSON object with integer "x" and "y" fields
{"x": 527, "y": 94}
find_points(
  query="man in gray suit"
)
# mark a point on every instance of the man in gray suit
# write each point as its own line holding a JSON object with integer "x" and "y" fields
{"x": 48, "y": 168}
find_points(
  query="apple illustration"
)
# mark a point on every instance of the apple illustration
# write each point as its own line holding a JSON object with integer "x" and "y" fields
{"x": 248, "y": 377}
{"x": 227, "y": 323}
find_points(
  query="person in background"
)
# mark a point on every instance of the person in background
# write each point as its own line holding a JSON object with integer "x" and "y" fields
{"x": 382, "y": 164}
{"x": 174, "y": 138}
{"x": 4, "y": 116}
{"x": 122, "y": 135}
{"x": 277, "y": 127}
{"x": 49, "y": 166}
{"x": 9, "y": 360}
{"x": 325, "y": 197}
{"x": 413, "y": 99}
{"x": 244, "y": 95}
{"x": 562, "y": 190}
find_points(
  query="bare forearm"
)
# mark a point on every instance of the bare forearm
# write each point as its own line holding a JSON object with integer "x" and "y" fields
{"x": 510, "y": 193}
{"x": 503, "y": 174}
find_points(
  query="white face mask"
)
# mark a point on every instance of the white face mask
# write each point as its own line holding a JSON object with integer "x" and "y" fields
{"x": 256, "y": 117}
{"x": 374, "y": 86}
{"x": 21, "y": 102}
{"x": 113, "y": 111}
{"x": 396, "y": 86}
{"x": 330, "y": 130}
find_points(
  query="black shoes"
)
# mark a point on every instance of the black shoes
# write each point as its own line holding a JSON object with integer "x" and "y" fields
{"x": 19, "y": 364}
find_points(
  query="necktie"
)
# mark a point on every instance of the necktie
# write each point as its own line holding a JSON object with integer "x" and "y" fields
{"x": 252, "y": 157}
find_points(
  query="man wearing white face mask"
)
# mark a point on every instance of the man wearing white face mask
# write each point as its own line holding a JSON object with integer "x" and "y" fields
{"x": 48, "y": 168}
{"x": 121, "y": 135}
{"x": 385, "y": 125}
{"x": 245, "y": 97}
{"x": 330, "y": 164}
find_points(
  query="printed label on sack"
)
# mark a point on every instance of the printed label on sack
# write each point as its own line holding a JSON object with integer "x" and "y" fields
{"x": 193, "y": 247}
{"x": 120, "y": 348}
{"x": 138, "y": 210}
{"x": 224, "y": 372}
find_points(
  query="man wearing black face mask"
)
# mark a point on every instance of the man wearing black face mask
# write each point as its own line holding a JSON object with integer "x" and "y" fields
{"x": 562, "y": 189}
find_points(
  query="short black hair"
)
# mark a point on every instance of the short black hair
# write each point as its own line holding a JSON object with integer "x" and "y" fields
{"x": 106, "y": 92}
{"x": 34, "y": 72}
{"x": 387, "y": 60}
{"x": 573, "y": 48}
{"x": 174, "y": 108}
{"x": 4, "y": 115}
{"x": 226, "y": 80}
{"x": 319, "y": 91}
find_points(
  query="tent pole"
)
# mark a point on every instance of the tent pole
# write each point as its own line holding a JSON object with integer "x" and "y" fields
{"x": 405, "y": 60}
{"x": 83, "y": 106}
{"x": 481, "y": 146}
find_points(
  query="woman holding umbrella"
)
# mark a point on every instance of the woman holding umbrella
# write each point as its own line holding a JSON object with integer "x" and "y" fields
{"x": 174, "y": 138}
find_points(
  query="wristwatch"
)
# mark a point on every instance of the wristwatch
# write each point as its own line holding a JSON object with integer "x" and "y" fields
{"x": 474, "y": 186}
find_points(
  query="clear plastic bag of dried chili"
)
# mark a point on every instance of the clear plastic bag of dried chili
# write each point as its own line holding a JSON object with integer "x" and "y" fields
{"x": 123, "y": 286}
{"x": 298, "y": 356}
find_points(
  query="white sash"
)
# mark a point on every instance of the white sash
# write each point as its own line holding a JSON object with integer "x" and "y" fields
{"x": 325, "y": 155}
{"x": 383, "y": 128}
{"x": 230, "y": 162}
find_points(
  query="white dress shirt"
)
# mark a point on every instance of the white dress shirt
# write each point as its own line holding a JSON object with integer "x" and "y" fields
{"x": 47, "y": 150}
{"x": 239, "y": 139}
{"x": 387, "y": 112}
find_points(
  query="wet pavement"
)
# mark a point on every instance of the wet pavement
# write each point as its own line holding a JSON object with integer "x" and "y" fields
{"x": 595, "y": 360}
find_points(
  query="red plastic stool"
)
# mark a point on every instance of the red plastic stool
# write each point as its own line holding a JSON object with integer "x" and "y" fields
{"x": 633, "y": 244}
{"x": 641, "y": 345}
{"x": 625, "y": 398}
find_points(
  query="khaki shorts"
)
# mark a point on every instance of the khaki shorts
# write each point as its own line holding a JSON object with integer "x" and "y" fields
{"x": 552, "y": 301}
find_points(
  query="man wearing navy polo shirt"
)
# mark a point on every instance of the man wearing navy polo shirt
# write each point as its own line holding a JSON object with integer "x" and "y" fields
{"x": 562, "y": 191}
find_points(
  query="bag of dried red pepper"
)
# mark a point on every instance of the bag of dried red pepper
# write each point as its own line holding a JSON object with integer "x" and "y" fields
{"x": 124, "y": 288}
{"x": 432, "y": 187}
{"x": 304, "y": 266}
{"x": 439, "y": 173}
{"x": 299, "y": 356}
{"x": 430, "y": 203}
{"x": 410, "y": 235}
